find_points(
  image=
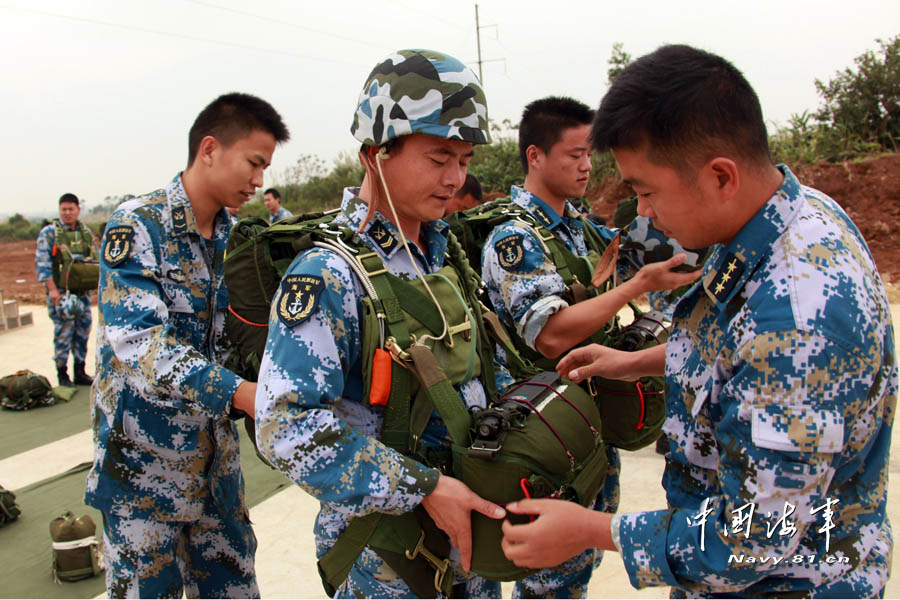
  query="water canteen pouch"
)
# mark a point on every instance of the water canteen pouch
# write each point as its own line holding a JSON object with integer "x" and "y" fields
{"x": 9, "y": 510}
{"x": 633, "y": 412}
{"x": 76, "y": 551}
{"x": 542, "y": 439}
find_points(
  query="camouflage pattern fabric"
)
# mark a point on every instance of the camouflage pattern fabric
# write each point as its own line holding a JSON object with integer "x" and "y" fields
{"x": 313, "y": 421}
{"x": 782, "y": 386}
{"x": 421, "y": 91}
{"x": 212, "y": 556}
{"x": 164, "y": 448}
{"x": 69, "y": 334}
{"x": 281, "y": 213}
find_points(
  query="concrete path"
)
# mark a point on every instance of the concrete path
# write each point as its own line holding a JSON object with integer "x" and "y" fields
{"x": 285, "y": 558}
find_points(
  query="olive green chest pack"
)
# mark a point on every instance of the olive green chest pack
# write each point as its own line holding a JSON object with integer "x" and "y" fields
{"x": 75, "y": 263}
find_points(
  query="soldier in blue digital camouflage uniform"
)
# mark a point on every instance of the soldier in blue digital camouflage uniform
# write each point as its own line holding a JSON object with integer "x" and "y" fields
{"x": 166, "y": 471}
{"x": 272, "y": 200}
{"x": 781, "y": 372}
{"x": 528, "y": 293}
{"x": 69, "y": 311}
{"x": 418, "y": 116}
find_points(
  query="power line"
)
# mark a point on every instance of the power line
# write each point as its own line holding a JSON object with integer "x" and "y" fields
{"x": 287, "y": 23}
{"x": 177, "y": 35}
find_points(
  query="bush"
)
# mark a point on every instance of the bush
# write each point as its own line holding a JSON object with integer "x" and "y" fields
{"x": 497, "y": 165}
{"x": 17, "y": 227}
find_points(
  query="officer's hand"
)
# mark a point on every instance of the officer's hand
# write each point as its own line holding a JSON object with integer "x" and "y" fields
{"x": 595, "y": 360}
{"x": 55, "y": 295}
{"x": 450, "y": 505}
{"x": 562, "y": 530}
{"x": 660, "y": 275}
{"x": 244, "y": 398}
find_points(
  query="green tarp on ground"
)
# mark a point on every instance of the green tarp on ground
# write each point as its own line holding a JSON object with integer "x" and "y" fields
{"x": 21, "y": 431}
{"x": 25, "y": 553}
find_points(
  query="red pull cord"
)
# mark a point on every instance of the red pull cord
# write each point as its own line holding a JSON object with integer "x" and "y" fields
{"x": 640, "y": 391}
{"x": 523, "y": 483}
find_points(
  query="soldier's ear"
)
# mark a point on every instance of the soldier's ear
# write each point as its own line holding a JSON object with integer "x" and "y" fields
{"x": 534, "y": 156}
{"x": 207, "y": 149}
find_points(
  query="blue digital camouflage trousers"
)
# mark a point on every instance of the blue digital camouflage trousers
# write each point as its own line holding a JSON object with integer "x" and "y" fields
{"x": 207, "y": 558}
{"x": 571, "y": 578}
{"x": 71, "y": 334}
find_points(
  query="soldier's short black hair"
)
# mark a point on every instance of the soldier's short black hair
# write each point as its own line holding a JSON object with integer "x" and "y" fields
{"x": 687, "y": 106}
{"x": 69, "y": 197}
{"x": 233, "y": 116}
{"x": 472, "y": 187}
{"x": 544, "y": 121}
{"x": 274, "y": 193}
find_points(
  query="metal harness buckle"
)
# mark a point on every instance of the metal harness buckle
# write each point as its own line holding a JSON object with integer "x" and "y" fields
{"x": 441, "y": 566}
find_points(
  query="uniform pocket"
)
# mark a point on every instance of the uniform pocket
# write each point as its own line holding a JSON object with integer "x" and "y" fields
{"x": 797, "y": 429}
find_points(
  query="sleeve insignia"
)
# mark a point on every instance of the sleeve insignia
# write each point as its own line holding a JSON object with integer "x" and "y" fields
{"x": 727, "y": 277}
{"x": 385, "y": 240}
{"x": 118, "y": 245}
{"x": 300, "y": 296}
{"x": 179, "y": 219}
{"x": 510, "y": 251}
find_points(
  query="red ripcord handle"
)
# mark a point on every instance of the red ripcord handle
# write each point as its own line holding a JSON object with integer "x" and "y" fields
{"x": 640, "y": 391}
{"x": 523, "y": 483}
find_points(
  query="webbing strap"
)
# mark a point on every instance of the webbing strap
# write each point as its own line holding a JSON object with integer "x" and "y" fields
{"x": 335, "y": 565}
{"x": 445, "y": 399}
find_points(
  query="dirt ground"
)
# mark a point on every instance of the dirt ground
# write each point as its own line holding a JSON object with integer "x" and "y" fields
{"x": 869, "y": 191}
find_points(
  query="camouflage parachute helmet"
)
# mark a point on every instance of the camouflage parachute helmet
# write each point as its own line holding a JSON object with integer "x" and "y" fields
{"x": 421, "y": 91}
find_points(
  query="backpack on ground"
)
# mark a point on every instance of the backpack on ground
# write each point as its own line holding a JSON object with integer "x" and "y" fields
{"x": 76, "y": 551}
{"x": 9, "y": 510}
{"x": 25, "y": 390}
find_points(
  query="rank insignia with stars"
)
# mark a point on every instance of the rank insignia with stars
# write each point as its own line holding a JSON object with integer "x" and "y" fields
{"x": 119, "y": 244}
{"x": 510, "y": 251}
{"x": 179, "y": 219}
{"x": 383, "y": 237}
{"x": 299, "y": 297}
{"x": 728, "y": 275}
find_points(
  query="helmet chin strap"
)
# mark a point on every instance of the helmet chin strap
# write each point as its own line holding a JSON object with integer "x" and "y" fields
{"x": 383, "y": 154}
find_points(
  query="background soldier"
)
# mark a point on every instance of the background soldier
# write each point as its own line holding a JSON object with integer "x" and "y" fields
{"x": 529, "y": 294}
{"x": 166, "y": 471}
{"x": 780, "y": 371}
{"x": 272, "y": 200}
{"x": 418, "y": 116}
{"x": 466, "y": 197}
{"x": 69, "y": 311}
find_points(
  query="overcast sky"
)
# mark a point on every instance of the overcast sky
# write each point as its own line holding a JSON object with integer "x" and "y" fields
{"x": 98, "y": 96}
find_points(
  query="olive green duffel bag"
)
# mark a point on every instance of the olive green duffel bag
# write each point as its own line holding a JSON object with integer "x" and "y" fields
{"x": 76, "y": 552}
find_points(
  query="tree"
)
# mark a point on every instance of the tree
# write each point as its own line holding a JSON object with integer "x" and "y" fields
{"x": 618, "y": 60}
{"x": 864, "y": 104}
{"x": 497, "y": 165}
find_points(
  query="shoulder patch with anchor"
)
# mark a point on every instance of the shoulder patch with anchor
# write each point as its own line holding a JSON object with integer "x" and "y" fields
{"x": 300, "y": 296}
{"x": 118, "y": 246}
{"x": 510, "y": 251}
{"x": 383, "y": 237}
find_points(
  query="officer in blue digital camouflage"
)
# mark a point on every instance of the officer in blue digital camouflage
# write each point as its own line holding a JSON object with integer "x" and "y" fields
{"x": 418, "y": 117}
{"x": 59, "y": 245}
{"x": 781, "y": 371}
{"x": 529, "y": 294}
{"x": 166, "y": 472}
{"x": 272, "y": 200}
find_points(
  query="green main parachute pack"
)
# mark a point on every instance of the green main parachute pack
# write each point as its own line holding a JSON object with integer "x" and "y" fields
{"x": 543, "y": 437}
{"x": 75, "y": 263}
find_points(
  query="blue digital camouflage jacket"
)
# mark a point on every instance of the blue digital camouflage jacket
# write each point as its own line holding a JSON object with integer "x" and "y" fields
{"x": 313, "y": 422}
{"x": 162, "y": 441}
{"x": 782, "y": 387}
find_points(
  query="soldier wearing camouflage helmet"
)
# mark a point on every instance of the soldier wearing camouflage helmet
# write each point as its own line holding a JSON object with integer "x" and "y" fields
{"x": 418, "y": 117}
{"x": 167, "y": 471}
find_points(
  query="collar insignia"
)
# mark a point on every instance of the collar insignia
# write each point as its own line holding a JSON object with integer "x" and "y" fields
{"x": 727, "y": 277}
{"x": 385, "y": 240}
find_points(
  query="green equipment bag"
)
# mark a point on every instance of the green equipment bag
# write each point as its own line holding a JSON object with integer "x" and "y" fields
{"x": 9, "y": 510}
{"x": 76, "y": 551}
{"x": 541, "y": 440}
{"x": 76, "y": 267}
{"x": 25, "y": 390}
